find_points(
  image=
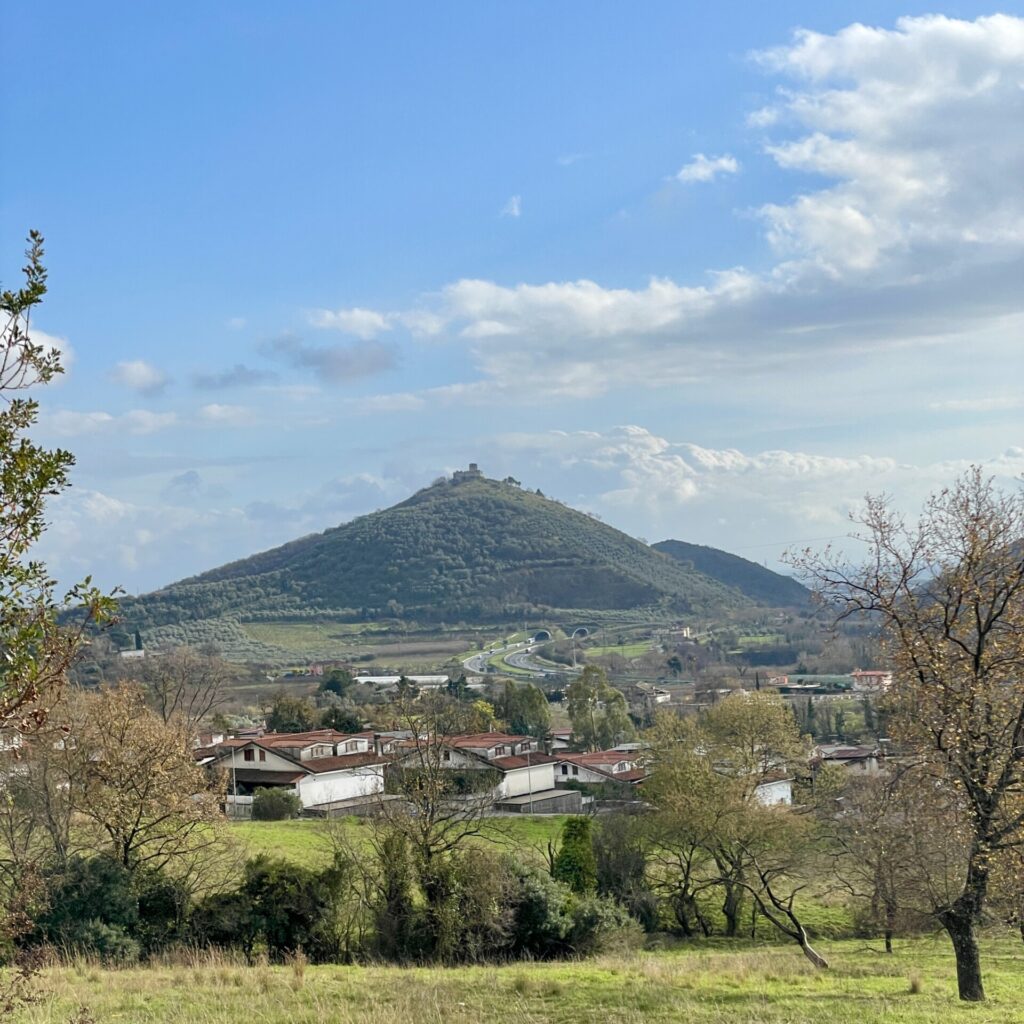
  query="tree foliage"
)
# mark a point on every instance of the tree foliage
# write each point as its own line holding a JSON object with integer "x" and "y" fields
{"x": 37, "y": 650}
{"x": 598, "y": 712}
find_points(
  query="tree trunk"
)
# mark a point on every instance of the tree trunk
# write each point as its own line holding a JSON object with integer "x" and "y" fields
{"x": 888, "y": 940}
{"x": 731, "y": 910}
{"x": 960, "y": 928}
{"x": 812, "y": 954}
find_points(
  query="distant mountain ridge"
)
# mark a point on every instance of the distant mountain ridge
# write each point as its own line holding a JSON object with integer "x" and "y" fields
{"x": 464, "y": 549}
{"x": 750, "y": 579}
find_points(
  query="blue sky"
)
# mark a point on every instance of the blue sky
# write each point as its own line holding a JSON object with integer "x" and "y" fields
{"x": 710, "y": 273}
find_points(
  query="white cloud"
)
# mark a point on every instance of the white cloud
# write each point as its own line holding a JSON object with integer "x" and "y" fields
{"x": 140, "y": 376}
{"x": 513, "y": 207}
{"x": 704, "y": 168}
{"x": 72, "y": 423}
{"x": 913, "y": 236}
{"x": 362, "y": 323}
{"x": 54, "y": 343}
{"x": 730, "y": 498}
{"x": 218, "y": 414}
{"x": 919, "y": 127}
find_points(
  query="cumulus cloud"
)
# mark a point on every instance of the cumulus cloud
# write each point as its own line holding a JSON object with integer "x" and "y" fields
{"x": 704, "y": 168}
{"x": 362, "y": 323}
{"x": 920, "y": 129}
{"x": 237, "y": 376}
{"x": 54, "y": 343}
{"x": 140, "y": 376}
{"x": 220, "y": 415}
{"x": 513, "y": 207}
{"x": 334, "y": 363}
{"x": 72, "y": 423}
{"x": 913, "y": 233}
{"x": 728, "y": 497}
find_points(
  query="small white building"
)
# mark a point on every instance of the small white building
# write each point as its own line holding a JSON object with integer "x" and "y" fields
{"x": 774, "y": 790}
{"x": 871, "y": 680}
{"x": 866, "y": 759}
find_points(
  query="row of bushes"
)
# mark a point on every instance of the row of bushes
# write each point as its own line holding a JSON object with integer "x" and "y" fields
{"x": 475, "y": 906}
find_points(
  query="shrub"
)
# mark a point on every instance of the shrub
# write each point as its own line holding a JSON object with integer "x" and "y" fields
{"x": 598, "y": 925}
{"x": 110, "y": 942}
{"x": 540, "y": 922}
{"x": 275, "y": 804}
{"x": 225, "y": 919}
{"x": 92, "y": 907}
{"x": 163, "y": 905}
{"x": 295, "y": 908}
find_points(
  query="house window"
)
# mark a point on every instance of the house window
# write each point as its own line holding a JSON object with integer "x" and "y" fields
{"x": 575, "y": 770}
{"x": 248, "y": 755}
{"x": 263, "y": 755}
{"x": 446, "y": 755}
{"x": 565, "y": 769}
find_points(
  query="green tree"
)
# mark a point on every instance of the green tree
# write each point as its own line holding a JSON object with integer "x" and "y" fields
{"x": 526, "y": 710}
{"x": 338, "y": 681}
{"x": 37, "y": 649}
{"x": 341, "y": 719}
{"x": 291, "y": 714}
{"x": 575, "y": 863}
{"x": 598, "y": 712}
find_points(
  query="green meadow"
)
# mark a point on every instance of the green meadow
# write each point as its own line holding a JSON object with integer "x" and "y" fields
{"x": 692, "y": 983}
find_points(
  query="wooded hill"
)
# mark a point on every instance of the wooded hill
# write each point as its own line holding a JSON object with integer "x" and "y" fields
{"x": 753, "y": 580}
{"x": 467, "y": 549}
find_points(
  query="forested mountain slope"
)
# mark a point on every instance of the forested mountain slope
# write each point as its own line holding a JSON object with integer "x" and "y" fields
{"x": 752, "y": 580}
{"x": 464, "y": 549}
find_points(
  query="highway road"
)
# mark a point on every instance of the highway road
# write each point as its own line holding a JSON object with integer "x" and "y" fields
{"x": 518, "y": 656}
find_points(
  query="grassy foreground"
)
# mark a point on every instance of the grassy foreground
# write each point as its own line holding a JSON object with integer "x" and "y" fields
{"x": 766, "y": 985}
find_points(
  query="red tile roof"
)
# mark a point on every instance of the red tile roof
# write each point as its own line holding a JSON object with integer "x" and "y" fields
{"x": 317, "y": 765}
{"x": 527, "y": 760}
{"x": 484, "y": 739}
{"x": 302, "y": 739}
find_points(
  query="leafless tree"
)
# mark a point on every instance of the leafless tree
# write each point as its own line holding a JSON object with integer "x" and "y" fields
{"x": 948, "y": 595}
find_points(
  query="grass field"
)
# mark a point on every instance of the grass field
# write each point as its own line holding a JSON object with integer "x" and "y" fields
{"x": 629, "y": 650}
{"x": 346, "y": 640}
{"x": 309, "y": 842}
{"x": 756, "y": 985}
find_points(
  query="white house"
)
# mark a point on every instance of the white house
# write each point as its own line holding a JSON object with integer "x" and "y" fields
{"x": 599, "y": 767}
{"x": 322, "y": 772}
{"x": 525, "y": 777}
{"x": 871, "y": 680}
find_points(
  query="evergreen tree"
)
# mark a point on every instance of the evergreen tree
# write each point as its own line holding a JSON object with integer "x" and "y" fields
{"x": 575, "y": 863}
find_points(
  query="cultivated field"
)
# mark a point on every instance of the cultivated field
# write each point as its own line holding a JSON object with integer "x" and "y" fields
{"x": 766, "y": 985}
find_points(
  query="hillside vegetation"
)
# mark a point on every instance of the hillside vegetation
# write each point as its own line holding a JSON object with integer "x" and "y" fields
{"x": 750, "y": 579}
{"x": 467, "y": 549}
